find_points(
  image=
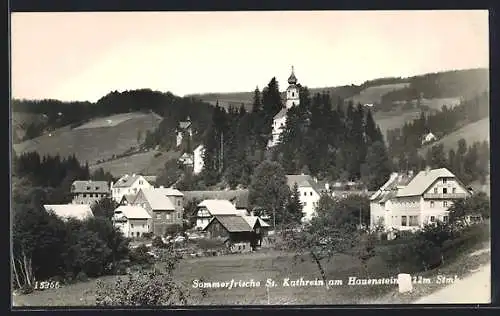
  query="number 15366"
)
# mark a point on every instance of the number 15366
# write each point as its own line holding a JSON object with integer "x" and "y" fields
{"x": 44, "y": 285}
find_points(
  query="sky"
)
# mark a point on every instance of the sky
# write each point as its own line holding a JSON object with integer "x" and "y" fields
{"x": 84, "y": 56}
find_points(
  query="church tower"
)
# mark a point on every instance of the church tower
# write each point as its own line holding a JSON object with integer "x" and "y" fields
{"x": 292, "y": 92}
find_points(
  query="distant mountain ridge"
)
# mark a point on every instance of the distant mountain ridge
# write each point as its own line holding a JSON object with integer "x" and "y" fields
{"x": 446, "y": 84}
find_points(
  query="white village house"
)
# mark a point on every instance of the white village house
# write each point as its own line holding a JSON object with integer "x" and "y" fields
{"x": 405, "y": 202}
{"x": 67, "y": 211}
{"x": 309, "y": 191}
{"x": 279, "y": 120}
{"x": 132, "y": 220}
{"x": 428, "y": 138}
{"x": 128, "y": 185}
{"x": 207, "y": 209}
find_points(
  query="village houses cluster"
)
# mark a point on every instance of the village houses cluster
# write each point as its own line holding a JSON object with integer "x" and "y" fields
{"x": 404, "y": 202}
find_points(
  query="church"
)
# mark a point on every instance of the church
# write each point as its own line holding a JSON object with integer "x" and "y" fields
{"x": 292, "y": 99}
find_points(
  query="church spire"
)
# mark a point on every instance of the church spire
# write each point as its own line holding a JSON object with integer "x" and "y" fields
{"x": 292, "y": 79}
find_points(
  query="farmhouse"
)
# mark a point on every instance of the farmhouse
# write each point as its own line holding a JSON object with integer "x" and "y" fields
{"x": 164, "y": 205}
{"x": 428, "y": 138}
{"x": 67, "y": 211}
{"x": 133, "y": 221}
{"x": 207, "y": 209}
{"x": 128, "y": 185}
{"x": 89, "y": 192}
{"x": 241, "y": 233}
{"x": 279, "y": 120}
{"x": 309, "y": 191}
{"x": 405, "y": 202}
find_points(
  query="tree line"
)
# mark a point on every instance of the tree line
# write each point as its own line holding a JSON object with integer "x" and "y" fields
{"x": 322, "y": 137}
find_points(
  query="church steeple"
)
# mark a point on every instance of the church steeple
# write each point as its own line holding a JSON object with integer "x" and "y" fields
{"x": 292, "y": 79}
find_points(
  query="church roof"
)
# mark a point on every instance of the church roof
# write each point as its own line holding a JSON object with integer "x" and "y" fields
{"x": 281, "y": 113}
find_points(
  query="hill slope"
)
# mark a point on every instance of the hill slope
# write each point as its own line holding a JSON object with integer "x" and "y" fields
{"x": 98, "y": 139}
{"x": 477, "y": 131}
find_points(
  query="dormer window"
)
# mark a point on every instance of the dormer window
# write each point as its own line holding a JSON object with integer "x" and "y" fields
{"x": 444, "y": 180}
{"x": 97, "y": 188}
{"x": 88, "y": 188}
{"x": 293, "y": 95}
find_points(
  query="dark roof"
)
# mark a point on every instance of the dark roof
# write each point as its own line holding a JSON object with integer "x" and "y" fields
{"x": 240, "y": 197}
{"x": 292, "y": 79}
{"x": 231, "y": 223}
{"x": 90, "y": 187}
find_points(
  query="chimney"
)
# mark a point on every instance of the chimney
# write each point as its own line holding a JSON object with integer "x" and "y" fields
{"x": 427, "y": 169}
{"x": 133, "y": 174}
{"x": 410, "y": 173}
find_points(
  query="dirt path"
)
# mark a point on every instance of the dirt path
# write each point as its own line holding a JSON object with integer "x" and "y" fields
{"x": 473, "y": 289}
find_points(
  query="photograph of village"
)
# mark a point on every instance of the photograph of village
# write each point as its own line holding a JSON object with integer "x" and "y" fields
{"x": 249, "y": 158}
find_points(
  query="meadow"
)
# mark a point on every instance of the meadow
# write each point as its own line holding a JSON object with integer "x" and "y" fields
{"x": 94, "y": 140}
{"x": 477, "y": 131}
{"x": 374, "y": 94}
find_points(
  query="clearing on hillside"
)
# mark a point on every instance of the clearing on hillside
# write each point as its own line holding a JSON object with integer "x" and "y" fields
{"x": 477, "y": 131}
{"x": 435, "y": 104}
{"x": 374, "y": 94}
{"x": 394, "y": 119}
{"x": 95, "y": 143}
{"x": 149, "y": 163}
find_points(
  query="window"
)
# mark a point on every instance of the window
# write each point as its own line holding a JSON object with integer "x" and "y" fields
{"x": 140, "y": 182}
{"x": 305, "y": 204}
{"x": 97, "y": 188}
{"x": 311, "y": 193}
{"x": 433, "y": 219}
{"x": 413, "y": 220}
{"x": 436, "y": 190}
{"x": 403, "y": 221}
{"x": 305, "y": 193}
{"x": 293, "y": 94}
{"x": 432, "y": 203}
{"x": 131, "y": 225}
{"x": 454, "y": 190}
{"x": 84, "y": 195}
{"x": 445, "y": 190}
{"x": 445, "y": 203}
{"x": 444, "y": 180}
{"x": 178, "y": 202}
{"x": 445, "y": 219}
{"x": 178, "y": 215}
{"x": 88, "y": 188}
{"x": 138, "y": 234}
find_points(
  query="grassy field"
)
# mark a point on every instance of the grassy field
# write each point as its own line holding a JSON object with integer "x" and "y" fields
{"x": 394, "y": 119}
{"x": 93, "y": 141}
{"x": 477, "y": 131}
{"x": 435, "y": 104}
{"x": 258, "y": 266}
{"x": 143, "y": 163}
{"x": 375, "y": 93}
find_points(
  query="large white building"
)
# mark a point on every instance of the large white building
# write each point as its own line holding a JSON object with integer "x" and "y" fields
{"x": 309, "y": 191}
{"x": 128, "y": 185}
{"x": 405, "y": 202}
{"x": 292, "y": 99}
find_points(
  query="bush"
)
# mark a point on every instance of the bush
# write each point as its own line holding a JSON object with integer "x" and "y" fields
{"x": 148, "y": 235}
{"x": 82, "y": 276}
{"x": 158, "y": 242}
{"x": 173, "y": 229}
{"x": 140, "y": 255}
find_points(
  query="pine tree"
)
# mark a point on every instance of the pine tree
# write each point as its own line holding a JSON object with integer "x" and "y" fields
{"x": 372, "y": 131}
{"x": 377, "y": 167}
{"x": 294, "y": 208}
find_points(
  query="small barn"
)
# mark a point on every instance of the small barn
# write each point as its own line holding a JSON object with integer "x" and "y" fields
{"x": 236, "y": 231}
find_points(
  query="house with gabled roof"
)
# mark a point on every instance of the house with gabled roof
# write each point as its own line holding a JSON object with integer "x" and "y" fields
{"x": 164, "y": 205}
{"x": 309, "y": 190}
{"x": 89, "y": 192}
{"x": 207, "y": 209}
{"x": 240, "y": 233}
{"x": 405, "y": 202}
{"x": 128, "y": 184}
{"x": 132, "y": 220}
